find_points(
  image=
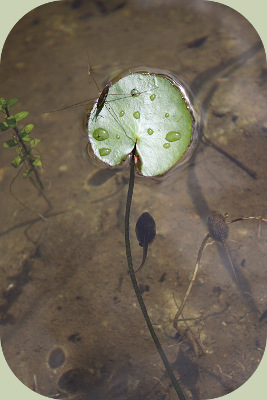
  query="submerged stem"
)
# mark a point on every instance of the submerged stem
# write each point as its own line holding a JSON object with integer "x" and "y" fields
{"x": 169, "y": 370}
{"x": 179, "y": 312}
{"x": 246, "y": 218}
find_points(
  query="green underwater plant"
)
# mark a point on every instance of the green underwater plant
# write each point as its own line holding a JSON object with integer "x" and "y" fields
{"x": 150, "y": 123}
{"x": 21, "y": 139}
{"x": 27, "y": 154}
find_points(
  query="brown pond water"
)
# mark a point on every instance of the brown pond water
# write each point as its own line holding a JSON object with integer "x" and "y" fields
{"x": 68, "y": 313}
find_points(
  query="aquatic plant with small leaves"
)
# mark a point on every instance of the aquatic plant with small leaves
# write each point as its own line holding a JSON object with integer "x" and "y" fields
{"x": 21, "y": 140}
{"x": 28, "y": 157}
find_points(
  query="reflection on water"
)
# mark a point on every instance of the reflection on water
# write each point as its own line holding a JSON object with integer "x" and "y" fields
{"x": 70, "y": 326}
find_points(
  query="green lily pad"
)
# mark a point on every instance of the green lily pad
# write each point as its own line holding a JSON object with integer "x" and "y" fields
{"x": 145, "y": 110}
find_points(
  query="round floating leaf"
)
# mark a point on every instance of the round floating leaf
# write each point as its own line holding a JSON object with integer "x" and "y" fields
{"x": 145, "y": 110}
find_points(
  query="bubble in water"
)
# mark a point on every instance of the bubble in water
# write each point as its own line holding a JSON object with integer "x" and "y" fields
{"x": 152, "y": 97}
{"x": 100, "y": 134}
{"x": 166, "y": 145}
{"x": 150, "y": 131}
{"x": 104, "y": 151}
{"x": 173, "y": 136}
{"x": 121, "y": 114}
{"x": 136, "y": 114}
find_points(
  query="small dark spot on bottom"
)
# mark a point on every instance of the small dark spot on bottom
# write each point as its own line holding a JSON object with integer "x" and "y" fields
{"x": 143, "y": 288}
{"x": 56, "y": 358}
{"x": 217, "y": 290}
{"x": 243, "y": 262}
{"x": 177, "y": 336}
{"x": 116, "y": 299}
{"x": 163, "y": 277}
{"x": 234, "y": 118}
{"x": 74, "y": 338}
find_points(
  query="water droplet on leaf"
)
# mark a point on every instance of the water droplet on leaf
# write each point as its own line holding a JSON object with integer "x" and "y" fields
{"x": 100, "y": 134}
{"x": 173, "y": 136}
{"x": 166, "y": 145}
{"x": 104, "y": 151}
{"x": 136, "y": 114}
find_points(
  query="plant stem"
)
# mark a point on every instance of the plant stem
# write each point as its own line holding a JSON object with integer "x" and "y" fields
{"x": 179, "y": 312}
{"x": 169, "y": 370}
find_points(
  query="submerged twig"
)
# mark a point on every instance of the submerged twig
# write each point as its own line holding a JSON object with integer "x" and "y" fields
{"x": 24, "y": 205}
{"x": 177, "y": 315}
{"x": 246, "y": 218}
{"x": 31, "y": 221}
{"x": 192, "y": 337}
